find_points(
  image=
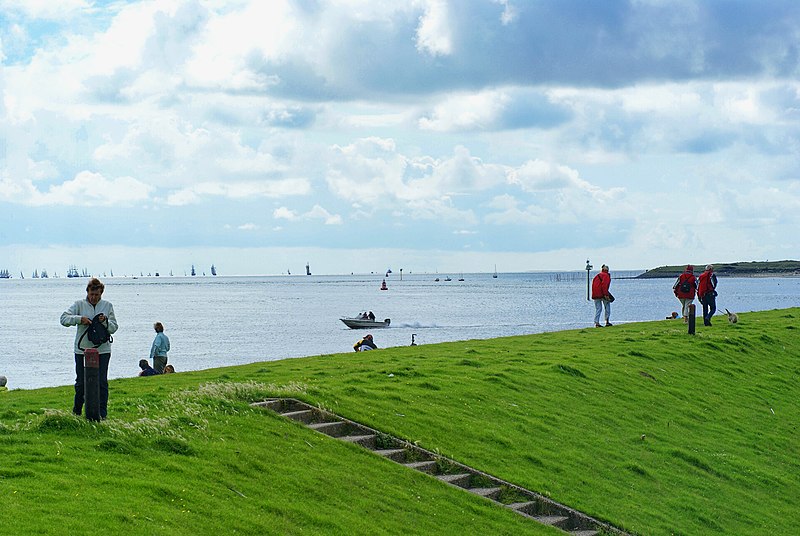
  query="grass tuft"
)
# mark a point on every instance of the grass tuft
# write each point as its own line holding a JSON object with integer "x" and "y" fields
{"x": 571, "y": 371}
{"x": 171, "y": 445}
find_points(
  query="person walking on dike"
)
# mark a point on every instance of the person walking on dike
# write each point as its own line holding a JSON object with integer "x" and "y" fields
{"x": 707, "y": 293}
{"x": 81, "y": 314}
{"x": 158, "y": 352}
{"x": 601, "y": 296}
{"x": 365, "y": 344}
{"x": 684, "y": 289}
{"x": 147, "y": 370}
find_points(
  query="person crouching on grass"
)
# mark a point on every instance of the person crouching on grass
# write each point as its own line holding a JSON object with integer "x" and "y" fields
{"x": 365, "y": 344}
{"x": 147, "y": 370}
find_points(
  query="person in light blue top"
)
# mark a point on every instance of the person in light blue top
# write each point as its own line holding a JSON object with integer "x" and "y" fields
{"x": 158, "y": 352}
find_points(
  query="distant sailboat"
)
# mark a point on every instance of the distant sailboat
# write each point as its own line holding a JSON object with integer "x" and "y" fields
{"x": 73, "y": 271}
{"x": 193, "y": 272}
{"x": 35, "y": 274}
{"x": 495, "y": 272}
{"x": 21, "y": 276}
{"x": 213, "y": 270}
{"x": 461, "y": 278}
{"x": 308, "y": 269}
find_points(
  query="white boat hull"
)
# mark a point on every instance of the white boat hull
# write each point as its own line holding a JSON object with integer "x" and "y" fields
{"x": 359, "y": 323}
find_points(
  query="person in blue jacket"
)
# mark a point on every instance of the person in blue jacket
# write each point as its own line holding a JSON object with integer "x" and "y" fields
{"x": 158, "y": 352}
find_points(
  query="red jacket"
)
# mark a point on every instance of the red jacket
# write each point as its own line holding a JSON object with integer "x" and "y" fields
{"x": 706, "y": 283}
{"x": 691, "y": 279}
{"x": 600, "y": 285}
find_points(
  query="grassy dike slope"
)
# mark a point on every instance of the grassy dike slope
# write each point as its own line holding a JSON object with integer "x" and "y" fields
{"x": 641, "y": 425}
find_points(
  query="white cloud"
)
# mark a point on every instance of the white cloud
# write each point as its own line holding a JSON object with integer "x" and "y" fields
{"x": 284, "y": 213}
{"x": 248, "y": 227}
{"x": 45, "y": 9}
{"x": 86, "y": 189}
{"x": 466, "y": 112}
{"x": 433, "y": 32}
{"x": 319, "y": 213}
{"x": 239, "y": 190}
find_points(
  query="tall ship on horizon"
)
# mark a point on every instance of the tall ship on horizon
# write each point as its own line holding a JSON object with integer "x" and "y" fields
{"x": 73, "y": 271}
{"x": 4, "y": 274}
{"x": 213, "y": 270}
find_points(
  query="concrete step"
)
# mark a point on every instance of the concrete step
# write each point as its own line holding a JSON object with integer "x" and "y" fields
{"x": 461, "y": 480}
{"x": 428, "y": 466}
{"x": 489, "y": 493}
{"x": 366, "y": 441}
{"x": 396, "y": 455}
{"x": 306, "y": 416}
{"x": 556, "y": 521}
{"x": 584, "y": 532}
{"x": 333, "y": 429}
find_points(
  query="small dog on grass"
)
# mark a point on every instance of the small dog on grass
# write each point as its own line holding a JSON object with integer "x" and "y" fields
{"x": 732, "y": 317}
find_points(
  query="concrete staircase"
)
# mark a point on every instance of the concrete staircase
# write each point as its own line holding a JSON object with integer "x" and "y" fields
{"x": 526, "y": 503}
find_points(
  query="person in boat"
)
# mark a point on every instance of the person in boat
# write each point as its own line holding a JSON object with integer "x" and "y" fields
{"x": 363, "y": 316}
{"x": 367, "y": 343}
{"x": 371, "y": 316}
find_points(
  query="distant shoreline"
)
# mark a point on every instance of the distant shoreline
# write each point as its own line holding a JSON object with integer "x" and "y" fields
{"x": 753, "y": 275}
{"x": 787, "y": 268}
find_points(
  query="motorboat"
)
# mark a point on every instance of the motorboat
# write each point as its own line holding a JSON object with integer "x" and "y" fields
{"x": 365, "y": 323}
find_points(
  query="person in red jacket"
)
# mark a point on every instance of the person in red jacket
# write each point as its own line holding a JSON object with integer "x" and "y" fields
{"x": 684, "y": 289}
{"x": 601, "y": 296}
{"x": 707, "y": 293}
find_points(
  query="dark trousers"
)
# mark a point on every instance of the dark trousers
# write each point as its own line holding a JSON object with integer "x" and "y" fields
{"x": 102, "y": 384}
{"x": 709, "y": 302}
{"x": 159, "y": 362}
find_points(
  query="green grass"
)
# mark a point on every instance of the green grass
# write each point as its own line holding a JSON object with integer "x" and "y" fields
{"x": 640, "y": 425}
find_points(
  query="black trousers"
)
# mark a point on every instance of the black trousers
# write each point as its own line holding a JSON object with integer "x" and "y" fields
{"x": 709, "y": 302}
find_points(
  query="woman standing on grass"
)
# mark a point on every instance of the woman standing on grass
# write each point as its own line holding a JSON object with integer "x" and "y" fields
{"x": 81, "y": 314}
{"x": 158, "y": 352}
{"x": 601, "y": 296}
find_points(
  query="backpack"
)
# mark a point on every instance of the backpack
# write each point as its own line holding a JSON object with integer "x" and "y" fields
{"x": 685, "y": 287}
{"x": 97, "y": 333}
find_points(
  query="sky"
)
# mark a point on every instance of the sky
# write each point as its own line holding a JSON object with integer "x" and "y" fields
{"x": 428, "y": 135}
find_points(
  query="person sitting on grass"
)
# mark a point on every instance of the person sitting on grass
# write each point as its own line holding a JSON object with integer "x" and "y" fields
{"x": 365, "y": 344}
{"x": 147, "y": 370}
{"x": 169, "y": 369}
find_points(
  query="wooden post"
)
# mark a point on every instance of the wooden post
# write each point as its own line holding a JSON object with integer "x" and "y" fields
{"x": 691, "y": 318}
{"x": 91, "y": 383}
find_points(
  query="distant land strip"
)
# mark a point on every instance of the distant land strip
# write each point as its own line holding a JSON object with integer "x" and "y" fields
{"x": 731, "y": 269}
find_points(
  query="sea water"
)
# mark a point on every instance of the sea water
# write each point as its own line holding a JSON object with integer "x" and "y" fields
{"x": 222, "y": 321}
